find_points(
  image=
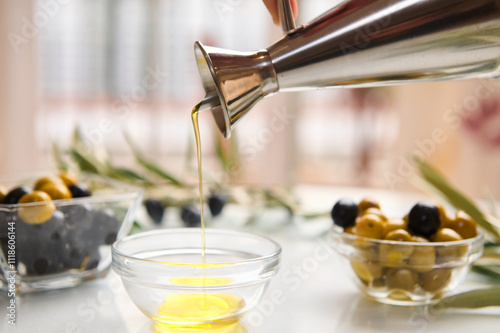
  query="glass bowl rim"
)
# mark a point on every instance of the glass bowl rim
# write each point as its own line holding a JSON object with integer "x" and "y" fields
{"x": 127, "y": 191}
{"x": 132, "y": 194}
{"x": 274, "y": 254}
{"x": 478, "y": 239}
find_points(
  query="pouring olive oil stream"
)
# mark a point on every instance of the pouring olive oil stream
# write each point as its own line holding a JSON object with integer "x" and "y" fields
{"x": 196, "y": 127}
{"x": 203, "y": 310}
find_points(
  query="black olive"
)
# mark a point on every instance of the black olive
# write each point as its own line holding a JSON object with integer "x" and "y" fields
{"x": 40, "y": 247}
{"x": 110, "y": 238}
{"x": 93, "y": 261}
{"x": 40, "y": 266}
{"x": 42, "y": 258}
{"x": 15, "y": 195}
{"x": 424, "y": 219}
{"x": 344, "y": 213}
{"x": 76, "y": 215}
{"x": 216, "y": 203}
{"x": 54, "y": 229}
{"x": 5, "y": 218}
{"x": 96, "y": 228}
{"x": 155, "y": 210}
{"x": 190, "y": 216}
{"x": 104, "y": 227}
{"x": 79, "y": 191}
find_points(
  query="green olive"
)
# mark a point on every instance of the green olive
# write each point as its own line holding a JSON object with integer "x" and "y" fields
{"x": 451, "y": 252}
{"x": 45, "y": 180}
{"x": 391, "y": 255}
{"x": 366, "y": 250}
{"x": 422, "y": 259}
{"x": 464, "y": 225}
{"x": 402, "y": 279}
{"x": 380, "y": 282}
{"x": 3, "y": 193}
{"x": 393, "y": 224}
{"x": 365, "y": 204}
{"x": 56, "y": 191}
{"x": 395, "y": 255}
{"x": 435, "y": 280}
{"x": 366, "y": 271}
{"x": 399, "y": 235}
{"x": 419, "y": 239}
{"x": 370, "y": 226}
{"x": 446, "y": 235}
{"x": 68, "y": 178}
{"x": 36, "y": 214}
{"x": 376, "y": 211}
{"x": 350, "y": 230}
{"x": 400, "y": 296}
{"x": 443, "y": 217}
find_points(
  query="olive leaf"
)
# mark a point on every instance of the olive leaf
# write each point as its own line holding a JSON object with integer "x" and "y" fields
{"x": 77, "y": 137}
{"x": 310, "y": 216}
{"x": 281, "y": 200}
{"x": 136, "y": 228}
{"x": 58, "y": 157}
{"x": 491, "y": 256}
{"x": 158, "y": 171}
{"x": 84, "y": 164}
{"x": 150, "y": 166}
{"x": 492, "y": 204}
{"x": 487, "y": 271}
{"x": 455, "y": 198}
{"x": 84, "y": 155}
{"x": 97, "y": 154}
{"x": 126, "y": 175}
{"x": 96, "y": 159}
{"x": 472, "y": 299}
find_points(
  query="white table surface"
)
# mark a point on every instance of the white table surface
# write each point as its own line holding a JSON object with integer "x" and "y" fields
{"x": 320, "y": 298}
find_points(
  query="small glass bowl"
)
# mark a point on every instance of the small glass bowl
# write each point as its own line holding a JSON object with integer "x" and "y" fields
{"x": 73, "y": 245}
{"x": 405, "y": 273}
{"x": 164, "y": 275}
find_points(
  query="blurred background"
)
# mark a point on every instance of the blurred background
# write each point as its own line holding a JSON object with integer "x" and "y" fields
{"x": 109, "y": 66}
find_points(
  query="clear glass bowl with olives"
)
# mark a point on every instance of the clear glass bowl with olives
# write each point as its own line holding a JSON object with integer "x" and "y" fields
{"x": 57, "y": 231}
{"x": 404, "y": 261}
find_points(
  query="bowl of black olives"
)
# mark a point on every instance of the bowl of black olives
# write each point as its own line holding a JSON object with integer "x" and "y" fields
{"x": 412, "y": 260}
{"x": 57, "y": 231}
